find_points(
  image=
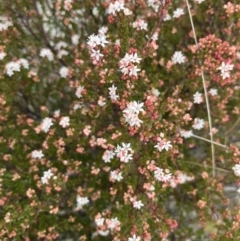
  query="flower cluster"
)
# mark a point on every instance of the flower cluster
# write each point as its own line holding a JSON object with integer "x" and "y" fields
{"x": 131, "y": 113}
{"x": 116, "y": 7}
{"x": 124, "y": 152}
{"x": 5, "y": 23}
{"x": 162, "y": 175}
{"x": 47, "y": 53}
{"x": 225, "y": 70}
{"x": 95, "y": 42}
{"x": 127, "y": 66}
{"x": 15, "y": 66}
{"x": 140, "y": 24}
{"x": 163, "y": 144}
{"x": 112, "y": 93}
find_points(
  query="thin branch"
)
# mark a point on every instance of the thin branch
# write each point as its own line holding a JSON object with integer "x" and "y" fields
{"x": 207, "y": 140}
{"x": 206, "y": 166}
{"x": 206, "y": 97}
{"x": 233, "y": 126}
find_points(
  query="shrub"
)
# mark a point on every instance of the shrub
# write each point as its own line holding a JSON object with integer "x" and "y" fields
{"x": 119, "y": 120}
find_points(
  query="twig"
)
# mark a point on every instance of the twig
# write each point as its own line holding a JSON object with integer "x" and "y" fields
{"x": 207, "y": 140}
{"x": 203, "y": 165}
{"x": 206, "y": 97}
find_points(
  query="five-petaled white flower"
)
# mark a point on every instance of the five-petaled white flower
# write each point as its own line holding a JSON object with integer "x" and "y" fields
{"x": 131, "y": 113}
{"x": 47, "y": 53}
{"x": 198, "y": 124}
{"x": 46, "y": 176}
{"x": 79, "y": 91}
{"x": 163, "y": 144}
{"x": 178, "y": 58}
{"x": 225, "y": 70}
{"x": 186, "y": 134}
{"x": 236, "y": 169}
{"x": 112, "y": 93}
{"x": 64, "y": 122}
{"x": 96, "y": 55}
{"x": 81, "y": 201}
{"x": 197, "y": 98}
{"x": 213, "y": 92}
{"x": 63, "y": 72}
{"x": 116, "y": 175}
{"x": 134, "y": 238}
{"x": 124, "y": 152}
{"x": 138, "y": 204}
{"x": 178, "y": 12}
{"x": 37, "y": 154}
{"x": 46, "y": 124}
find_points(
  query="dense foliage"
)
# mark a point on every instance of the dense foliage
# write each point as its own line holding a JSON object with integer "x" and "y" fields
{"x": 119, "y": 120}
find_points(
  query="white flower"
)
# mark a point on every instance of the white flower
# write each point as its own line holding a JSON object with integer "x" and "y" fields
{"x": 197, "y": 98}
{"x": 178, "y": 57}
{"x": 60, "y": 45}
{"x": 127, "y": 12}
{"x": 236, "y": 169}
{"x": 2, "y": 55}
{"x": 127, "y": 66}
{"x": 79, "y": 91}
{"x": 62, "y": 53}
{"x": 81, "y": 201}
{"x": 12, "y": 67}
{"x": 131, "y": 113}
{"x": 163, "y": 144}
{"x": 183, "y": 178}
{"x": 198, "y": 124}
{"x": 63, "y": 72}
{"x": 95, "y": 54}
{"x": 77, "y": 106}
{"x": 155, "y": 92}
{"x": 116, "y": 175}
{"x": 113, "y": 223}
{"x": 103, "y": 233}
{"x": 46, "y": 124}
{"x": 162, "y": 175}
{"x": 178, "y": 12}
{"x": 97, "y": 40}
{"x": 186, "y": 134}
{"x": 225, "y": 70}
{"x": 140, "y": 24}
{"x": 155, "y": 36}
{"x": 199, "y": 1}
{"x": 213, "y": 92}
{"x": 75, "y": 39}
{"x": 37, "y": 154}
{"x": 138, "y": 204}
{"x": 122, "y": 152}
{"x": 101, "y": 101}
{"x": 108, "y": 155}
{"x": 134, "y": 238}
{"x": 46, "y": 176}
{"x": 112, "y": 93}
{"x": 4, "y": 23}
{"x": 155, "y": 4}
{"x": 133, "y": 70}
{"x": 64, "y": 122}
{"x": 99, "y": 221}
{"x": 167, "y": 17}
{"x": 47, "y": 53}
{"x": 24, "y": 63}
{"x": 117, "y": 6}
